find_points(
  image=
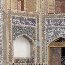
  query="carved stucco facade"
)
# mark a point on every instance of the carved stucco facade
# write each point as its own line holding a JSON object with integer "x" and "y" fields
{"x": 45, "y": 27}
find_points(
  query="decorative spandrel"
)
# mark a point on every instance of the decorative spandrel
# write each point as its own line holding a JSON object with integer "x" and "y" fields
{"x": 30, "y": 31}
{"x": 55, "y": 27}
{"x": 54, "y": 32}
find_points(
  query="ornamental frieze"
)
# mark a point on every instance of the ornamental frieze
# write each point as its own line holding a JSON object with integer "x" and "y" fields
{"x": 55, "y": 22}
{"x": 23, "y": 21}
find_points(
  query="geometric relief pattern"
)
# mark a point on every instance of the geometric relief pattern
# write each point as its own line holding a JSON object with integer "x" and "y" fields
{"x": 55, "y": 28}
{"x": 55, "y": 22}
{"x": 54, "y": 32}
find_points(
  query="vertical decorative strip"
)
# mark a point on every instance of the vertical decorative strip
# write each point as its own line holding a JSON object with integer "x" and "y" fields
{"x": 1, "y": 37}
{"x": 40, "y": 37}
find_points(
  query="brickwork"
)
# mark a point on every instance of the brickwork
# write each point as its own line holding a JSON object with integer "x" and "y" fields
{"x": 60, "y": 6}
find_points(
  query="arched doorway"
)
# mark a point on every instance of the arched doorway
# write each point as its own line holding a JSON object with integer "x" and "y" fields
{"x": 23, "y": 49}
{"x": 56, "y": 50}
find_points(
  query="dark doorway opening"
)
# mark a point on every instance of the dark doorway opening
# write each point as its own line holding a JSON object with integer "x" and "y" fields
{"x": 63, "y": 51}
{"x": 63, "y": 56}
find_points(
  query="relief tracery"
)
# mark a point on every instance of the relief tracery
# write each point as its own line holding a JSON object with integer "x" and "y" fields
{"x": 55, "y": 28}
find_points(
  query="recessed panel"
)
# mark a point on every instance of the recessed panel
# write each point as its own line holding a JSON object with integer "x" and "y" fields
{"x": 21, "y": 48}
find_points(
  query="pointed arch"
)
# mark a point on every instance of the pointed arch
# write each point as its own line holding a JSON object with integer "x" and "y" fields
{"x": 59, "y": 42}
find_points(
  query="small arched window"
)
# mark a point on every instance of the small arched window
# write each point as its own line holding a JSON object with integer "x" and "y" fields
{"x": 21, "y": 47}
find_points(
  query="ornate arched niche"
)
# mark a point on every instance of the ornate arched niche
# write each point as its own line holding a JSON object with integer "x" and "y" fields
{"x": 25, "y": 26}
{"x": 54, "y": 30}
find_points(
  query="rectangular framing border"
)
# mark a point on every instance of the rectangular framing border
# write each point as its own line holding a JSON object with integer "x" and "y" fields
{"x": 35, "y": 16}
